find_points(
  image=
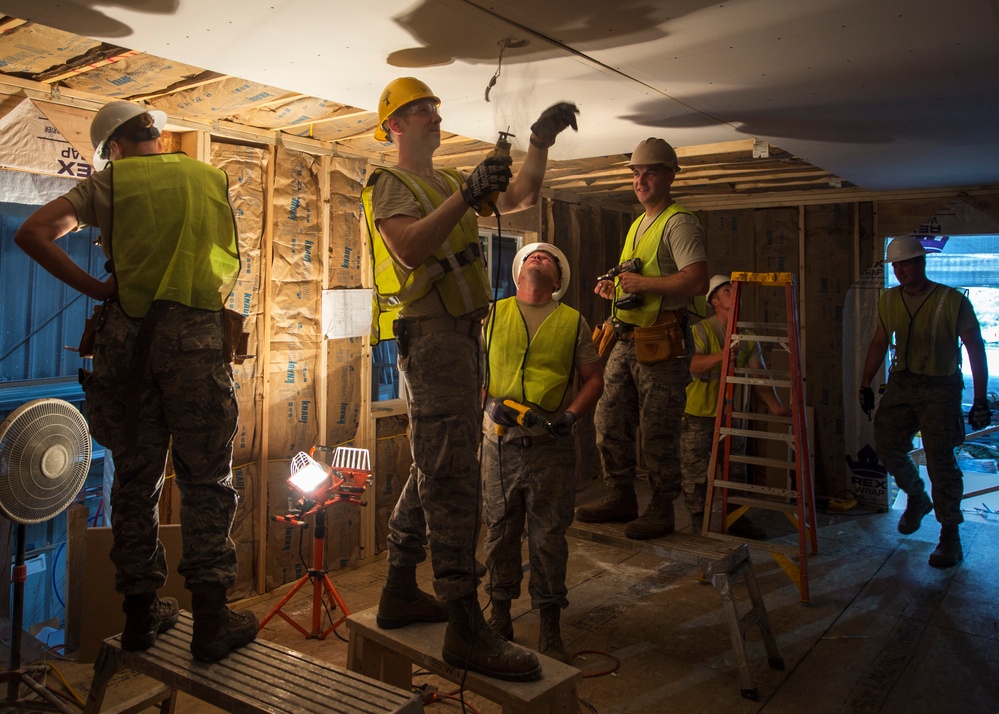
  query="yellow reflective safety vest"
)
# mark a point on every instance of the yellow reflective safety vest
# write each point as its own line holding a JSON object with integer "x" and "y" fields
{"x": 927, "y": 342}
{"x": 538, "y": 372}
{"x": 173, "y": 233}
{"x": 702, "y": 391}
{"x": 456, "y": 270}
{"x": 647, "y": 248}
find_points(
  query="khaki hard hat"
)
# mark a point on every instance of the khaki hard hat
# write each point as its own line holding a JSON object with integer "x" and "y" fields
{"x": 110, "y": 117}
{"x": 397, "y": 94}
{"x": 654, "y": 151}
{"x": 716, "y": 282}
{"x": 904, "y": 248}
{"x": 559, "y": 256}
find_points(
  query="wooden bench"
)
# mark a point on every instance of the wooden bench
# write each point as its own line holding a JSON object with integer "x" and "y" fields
{"x": 389, "y": 655}
{"x": 260, "y": 678}
{"x": 724, "y": 561}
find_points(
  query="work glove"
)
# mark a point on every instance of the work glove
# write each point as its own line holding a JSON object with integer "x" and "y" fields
{"x": 553, "y": 122}
{"x": 562, "y": 427}
{"x": 500, "y": 413}
{"x": 491, "y": 176}
{"x": 979, "y": 416}
{"x": 867, "y": 400}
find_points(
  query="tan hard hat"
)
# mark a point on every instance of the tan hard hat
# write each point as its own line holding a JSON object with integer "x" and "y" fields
{"x": 559, "y": 256}
{"x": 654, "y": 151}
{"x": 903, "y": 248}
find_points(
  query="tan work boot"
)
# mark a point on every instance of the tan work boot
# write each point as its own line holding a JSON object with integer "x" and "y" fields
{"x": 948, "y": 552}
{"x": 658, "y": 520}
{"x": 217, "y": 629}
{"x": 145, "y": 617}
{"x": 500, "y": 620}
{"x": 550, "y": 638}
{"x": 470, "y": 643}
{"x": 618, "y": 506}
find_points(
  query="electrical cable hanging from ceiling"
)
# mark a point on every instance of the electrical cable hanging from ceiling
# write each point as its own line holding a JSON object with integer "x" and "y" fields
{"x": 505, "y": 43}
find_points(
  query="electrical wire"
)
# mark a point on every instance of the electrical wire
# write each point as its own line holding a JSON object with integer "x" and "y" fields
{"x": 79, "y": 700}
{"x": 600, "y": 673}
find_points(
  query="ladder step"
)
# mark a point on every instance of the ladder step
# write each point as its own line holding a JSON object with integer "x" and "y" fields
{"x": 772, "y": 326}
{"x": 757, "y": 434}
{"x": 763, "y": 416}
{"x": 753, "y": 488}
{"x": 785, "y": 383}
{"x": 762, "y": 461}
{"x": 769, "y": 505}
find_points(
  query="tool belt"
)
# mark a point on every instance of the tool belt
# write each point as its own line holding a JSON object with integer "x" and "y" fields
{"x": 528, "y": 440}
{"x": 663, "y": 340}
{"x": 234, "y": 338}
{"x": 409, "y": 328}
{"x": 604, "y": 337}
{"x": 91, "y": 327}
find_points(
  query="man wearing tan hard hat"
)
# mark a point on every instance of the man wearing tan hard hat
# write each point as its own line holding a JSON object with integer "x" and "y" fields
{"x": 923, "y": 321}
{"x": 648, "y": 368}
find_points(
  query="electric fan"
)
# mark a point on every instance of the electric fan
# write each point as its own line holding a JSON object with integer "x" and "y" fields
{"x": 44, "y": 458}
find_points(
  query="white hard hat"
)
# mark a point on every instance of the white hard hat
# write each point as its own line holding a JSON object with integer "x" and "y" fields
{"x": 559, "y": 256}
{"x": 654, "y": 151}
{"x": 716, "y": 282}
{"x": 903, "y": 248}
{"x": 110, "y": 117}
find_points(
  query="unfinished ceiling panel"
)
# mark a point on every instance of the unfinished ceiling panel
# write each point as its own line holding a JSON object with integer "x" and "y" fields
{"x": 30, "y": 51}
{"x": 132, "y": 77}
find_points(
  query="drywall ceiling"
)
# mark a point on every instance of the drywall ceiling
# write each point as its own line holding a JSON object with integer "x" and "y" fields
{"x": 887, "y": 94}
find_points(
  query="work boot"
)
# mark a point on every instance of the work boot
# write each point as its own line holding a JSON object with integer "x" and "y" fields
{"x": 500, "y": 619}
{"x": 145, "y": 617}
{"x": 917, "y": 506}
{"x": 550, "y": 638}
{"x": 948, "y": 552}
{"x": 403, "y": 603}
{"x": 217, "y": 629}
{"x": 469, "y": 643}
{"x": 618, "y": 506}
{"x": 658, "y": 520}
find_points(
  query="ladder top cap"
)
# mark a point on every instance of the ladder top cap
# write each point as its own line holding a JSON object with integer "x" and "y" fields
{"x": 764, "y": 278}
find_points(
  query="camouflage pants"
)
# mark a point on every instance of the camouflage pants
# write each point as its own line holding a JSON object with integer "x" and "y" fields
{"x": 932, "y": 406}
{"x": 533, "y": 485}
{"x": 185, "y": 403}
{"x": 650, "y": 396}
{"x": 439, "y": 504}
{"x": 697, "y": 438}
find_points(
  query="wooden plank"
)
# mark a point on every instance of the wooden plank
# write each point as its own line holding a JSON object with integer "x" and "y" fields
{"x": 263, "y": 677}
{"x": 77, "y": 517}
{"x": 422, "y": 643}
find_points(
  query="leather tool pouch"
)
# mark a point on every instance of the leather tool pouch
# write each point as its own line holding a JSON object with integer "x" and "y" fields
{"x": 234, "y": 339}
{"x": 90, "y": 329}
{"x": 664, "y": 340}
{"x": 604, "y": 337}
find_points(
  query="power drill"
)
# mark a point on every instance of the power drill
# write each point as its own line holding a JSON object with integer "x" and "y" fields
{"x": 502, "y": 148}
{"x": 628, "y": 301}
{"x": 506, "y": 413}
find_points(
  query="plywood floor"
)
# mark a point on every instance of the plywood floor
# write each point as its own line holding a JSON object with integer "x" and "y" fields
{"x": 882, "y": 632}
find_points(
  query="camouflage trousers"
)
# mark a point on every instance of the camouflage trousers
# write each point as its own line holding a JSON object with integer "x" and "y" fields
{"x": 650, "y": 396}
{"x": 439, "y": 504}
{"x": 185, "y": 403}
{"x": 931, "y": 406}
{"x": 532, "y": 485}
{"x": 697, "y": 438}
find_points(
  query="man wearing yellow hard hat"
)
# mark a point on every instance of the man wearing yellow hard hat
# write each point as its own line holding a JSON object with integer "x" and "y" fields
{"x": 429, "y": 265}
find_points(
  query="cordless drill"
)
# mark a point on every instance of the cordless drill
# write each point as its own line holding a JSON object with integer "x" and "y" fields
{"x": 502, "y": 148}
{"x": 506, "y": 413}
{"x": 628, "y": 301}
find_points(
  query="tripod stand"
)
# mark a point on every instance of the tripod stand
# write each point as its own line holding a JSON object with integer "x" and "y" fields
{"x": 323, "y": 590}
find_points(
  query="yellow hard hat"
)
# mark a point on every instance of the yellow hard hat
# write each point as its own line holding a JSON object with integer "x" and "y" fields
{"x": 397, "y": 94}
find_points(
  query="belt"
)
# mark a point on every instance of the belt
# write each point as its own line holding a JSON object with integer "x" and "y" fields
{"x": 627, "y": 332}
{"x": 421, "y": 326}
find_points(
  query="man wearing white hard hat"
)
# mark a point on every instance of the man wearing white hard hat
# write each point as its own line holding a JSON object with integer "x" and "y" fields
{"x": 697, "y": 436}
{"x": 429, "y": 267}
{"x": 161, "y": 379}
{"x": 542, "y": 357}
{"x": 922, "y": 322}
{"x": 648, "y": 368}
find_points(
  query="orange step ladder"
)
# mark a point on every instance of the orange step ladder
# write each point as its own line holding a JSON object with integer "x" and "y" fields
{"x": 797, "y": 499}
